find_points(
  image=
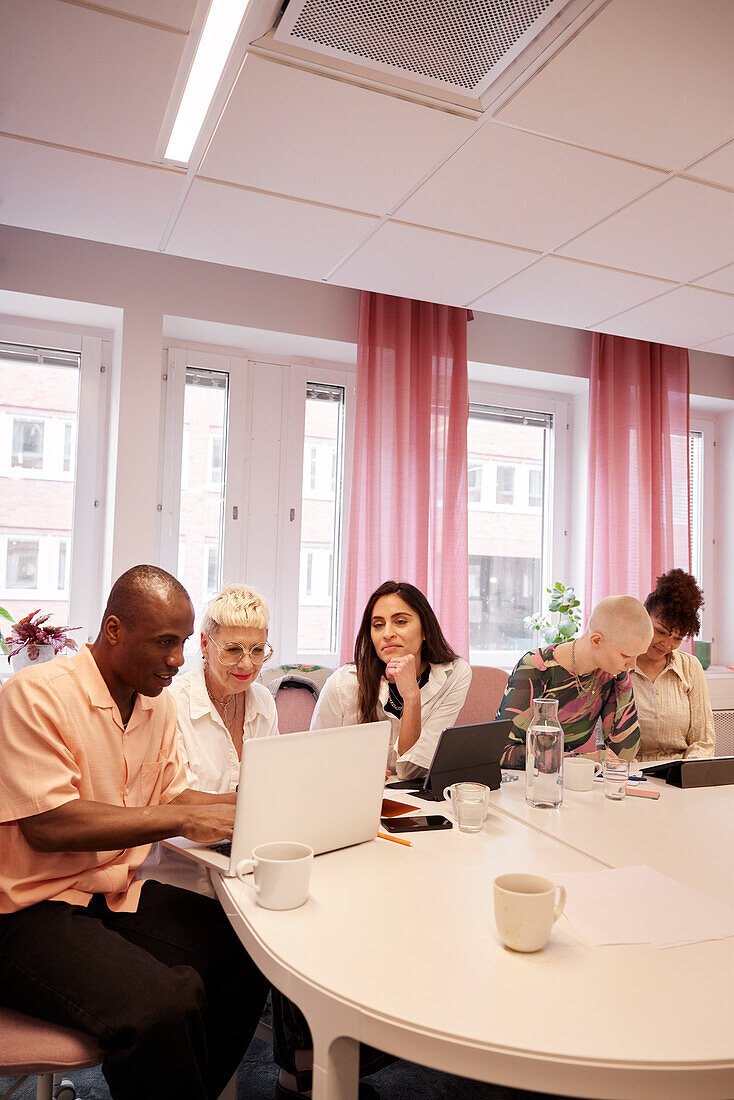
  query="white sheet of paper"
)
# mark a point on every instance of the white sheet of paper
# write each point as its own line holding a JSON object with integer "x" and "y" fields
{"x": 640, "y": 905}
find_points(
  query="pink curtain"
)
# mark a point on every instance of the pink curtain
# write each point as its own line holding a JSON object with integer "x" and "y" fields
{"x": 638, "y": 523}
{"x": 408, "y": 506}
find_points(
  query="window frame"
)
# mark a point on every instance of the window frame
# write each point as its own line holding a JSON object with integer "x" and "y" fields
{"x": 243, "y": 559}
{"x": 558, "y": 485}
{"x": 300, "y": 377}
{"x": 85, "y": 561}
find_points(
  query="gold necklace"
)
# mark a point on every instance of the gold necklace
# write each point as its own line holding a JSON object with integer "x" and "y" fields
{"x": 225, "y": 706}
{"x": 589, "y": 688}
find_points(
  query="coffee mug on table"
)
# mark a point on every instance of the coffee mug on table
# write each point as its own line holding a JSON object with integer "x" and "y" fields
{"x": 525, "y": 909}
{"x": 579, "y": 772}
{"x": 281, "y": 873}
{"x": 469, "y": 805}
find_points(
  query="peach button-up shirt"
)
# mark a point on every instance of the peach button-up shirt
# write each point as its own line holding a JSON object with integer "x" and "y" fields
{"x": 61, "y": 738}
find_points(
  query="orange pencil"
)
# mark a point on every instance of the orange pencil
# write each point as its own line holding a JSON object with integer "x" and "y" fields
{"x": 395, "y": 839}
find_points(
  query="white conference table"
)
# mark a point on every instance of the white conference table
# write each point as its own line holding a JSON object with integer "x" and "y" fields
{"x": 397, "y": 947}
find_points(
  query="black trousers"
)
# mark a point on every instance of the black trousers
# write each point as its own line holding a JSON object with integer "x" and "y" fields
{"x": 169, "y": 992}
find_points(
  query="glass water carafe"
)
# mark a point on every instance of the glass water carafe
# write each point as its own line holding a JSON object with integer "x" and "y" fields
{"x": 544, "y": 756}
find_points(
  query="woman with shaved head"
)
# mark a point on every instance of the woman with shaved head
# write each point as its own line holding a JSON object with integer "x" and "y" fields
{"x": 589, "y": 677}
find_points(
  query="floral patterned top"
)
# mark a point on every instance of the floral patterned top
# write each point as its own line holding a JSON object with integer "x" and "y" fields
{"x": 610, "y": 698}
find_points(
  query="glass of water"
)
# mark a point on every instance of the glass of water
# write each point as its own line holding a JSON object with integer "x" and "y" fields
{"x": 469, "y": 805}
{"x": 616, "y": 774}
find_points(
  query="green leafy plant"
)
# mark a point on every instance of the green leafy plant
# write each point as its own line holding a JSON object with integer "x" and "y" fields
{"x": 32, "y": 632}
{"x": 564, "y": 604}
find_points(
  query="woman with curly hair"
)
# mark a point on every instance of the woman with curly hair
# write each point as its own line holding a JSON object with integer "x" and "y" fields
{"x": 673, "y": 706}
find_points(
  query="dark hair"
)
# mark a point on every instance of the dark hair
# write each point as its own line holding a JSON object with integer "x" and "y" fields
{"x": 676, "y": 601}
{"x": 370, "y": 668}
{"x": 130, "y": 595}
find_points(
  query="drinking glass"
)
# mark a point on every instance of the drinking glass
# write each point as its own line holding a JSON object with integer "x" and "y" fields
{"x": 544, "y": 756}
{"x": 616, "y": 773}
{"x": 469, "y": 805}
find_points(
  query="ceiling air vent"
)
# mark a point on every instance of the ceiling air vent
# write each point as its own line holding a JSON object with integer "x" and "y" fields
{"x": 457, "y": 45}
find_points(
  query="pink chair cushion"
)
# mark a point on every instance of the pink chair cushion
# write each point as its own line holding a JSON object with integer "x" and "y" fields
{"x": 295, "y": 704}
{"x": 484, "y": 696}
{"x": 28, "y": 1045}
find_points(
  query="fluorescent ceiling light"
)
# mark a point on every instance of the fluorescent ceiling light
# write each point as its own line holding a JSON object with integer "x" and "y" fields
{"x": 220, "y": 29}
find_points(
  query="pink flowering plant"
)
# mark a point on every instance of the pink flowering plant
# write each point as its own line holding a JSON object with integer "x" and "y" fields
{"x": 33, "y": 631}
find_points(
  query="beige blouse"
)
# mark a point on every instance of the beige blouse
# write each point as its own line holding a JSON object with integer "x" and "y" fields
{"x": 674, "y": 711}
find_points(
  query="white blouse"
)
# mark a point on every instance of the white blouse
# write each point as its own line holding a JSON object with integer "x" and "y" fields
{"x": 211, "y": 762}
{"x": 674, "y": 710}
{"x": 207, "y": 749}
{"x": 442, "y": 697}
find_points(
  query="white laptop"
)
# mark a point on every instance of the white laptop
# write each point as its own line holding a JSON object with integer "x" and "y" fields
{"x": 323, "y": 788}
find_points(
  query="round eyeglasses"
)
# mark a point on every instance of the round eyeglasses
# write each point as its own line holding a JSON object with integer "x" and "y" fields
{"x": 232, "y": 653}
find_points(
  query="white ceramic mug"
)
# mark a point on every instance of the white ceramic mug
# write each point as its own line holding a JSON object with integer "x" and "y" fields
{"x": 579, "y": 773}
{"x": 525, "y": 909}
{"x": 281, "y": 873}
{"x": 469, "y": 805}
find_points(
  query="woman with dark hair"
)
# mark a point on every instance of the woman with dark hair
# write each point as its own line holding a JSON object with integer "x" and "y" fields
{"x": 404, "y": 670}
{"x": 673, "y": 706}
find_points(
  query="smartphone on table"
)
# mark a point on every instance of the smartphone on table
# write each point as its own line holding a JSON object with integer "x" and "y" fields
{"x": 419, "y": 823}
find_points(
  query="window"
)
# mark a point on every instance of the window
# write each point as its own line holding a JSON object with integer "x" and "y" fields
{"x": 261, "y": 503}
{"x": 68, "y": 438}
{"x": 321, "y": 517}
{"x": 27, "y": 444}
{"x": 695, "y": 474}
{"x": 215, "y": 466}
{"x": 21, "y": 563}
{"x": 535, "y": 488}
{"x": 508, "y": 536}
{"x": 61, "y": 572}
{"x": 505, "y": 484}
{"x": 475, "y": 482}
{"x": 202, "y": 483}
{"x": 51, "y": 519}
{"x": 213, "y": 581}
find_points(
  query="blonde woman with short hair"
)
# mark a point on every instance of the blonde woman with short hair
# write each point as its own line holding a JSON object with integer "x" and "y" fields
{"x": 219, "y": 706}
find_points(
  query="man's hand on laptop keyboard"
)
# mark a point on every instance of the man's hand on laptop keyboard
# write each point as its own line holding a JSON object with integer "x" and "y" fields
{"x": 207, "y": 824}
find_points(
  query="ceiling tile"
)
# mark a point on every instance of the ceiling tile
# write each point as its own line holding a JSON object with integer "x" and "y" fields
{"x": 563, "y": 292}
{"x": 301, "y": 134}
{"x": 719, "y": 167}
{"x": 722, "y": 280}
{"x": 505, "y": 185}
{"x": 684, "y": 318}
{"x": 56, "y": 191}
{"x": 679, "y": 232}
{"x": 652, "y": 81}
{"x": 171, "y": 13}
{"x": 724, "y": 346}
{"x": 434, "y": 267}
{"x": 78, "y": 77}
{"x": 228, "y": 225}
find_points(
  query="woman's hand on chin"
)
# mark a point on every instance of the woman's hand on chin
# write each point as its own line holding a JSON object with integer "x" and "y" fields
{"x": 402, "y": 672}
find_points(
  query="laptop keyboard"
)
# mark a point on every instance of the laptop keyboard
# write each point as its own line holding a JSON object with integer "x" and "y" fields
{"x": 223, "y": 846}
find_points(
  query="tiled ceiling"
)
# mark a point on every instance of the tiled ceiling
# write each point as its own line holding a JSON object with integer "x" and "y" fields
{"x": 596, "y": 192}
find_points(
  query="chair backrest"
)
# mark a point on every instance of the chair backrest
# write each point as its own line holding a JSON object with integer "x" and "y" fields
{"x": 484, "y": 695}
{"x": 295, "y": 704}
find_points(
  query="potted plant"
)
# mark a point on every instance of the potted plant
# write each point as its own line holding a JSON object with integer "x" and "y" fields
{"x": 563, "y": 603}
{"x": 33, "y": 639}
